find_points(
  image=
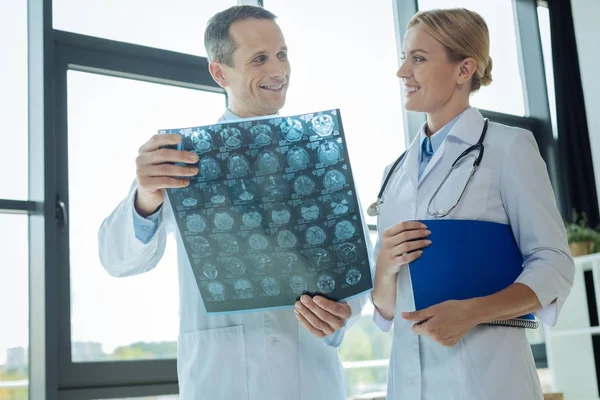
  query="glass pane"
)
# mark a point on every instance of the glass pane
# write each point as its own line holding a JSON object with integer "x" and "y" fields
{"x": 13, "y": 101}
{"x": 14, "y": 307}
{"x": 176, "y": 25}
{"x": 505, "y": 94}
{"x": 331, "y": 69}
{"x": 167, "y": 397}
{"x": 544, "y": 22}
{"x": 109, "y": 119}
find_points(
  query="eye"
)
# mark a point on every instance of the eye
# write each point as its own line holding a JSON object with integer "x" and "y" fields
{"x": 418, "y": 59}
{"x": 402, "y": 57}
{"x": 260, "y": 59}
{"x": 282, "y": 56}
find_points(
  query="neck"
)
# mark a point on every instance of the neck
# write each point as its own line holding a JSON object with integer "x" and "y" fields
{"x": 244, "y": 112}
{"x": 437, "y": 120}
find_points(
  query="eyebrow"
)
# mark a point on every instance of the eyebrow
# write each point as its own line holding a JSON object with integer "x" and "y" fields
{"x": 417, "y": 51}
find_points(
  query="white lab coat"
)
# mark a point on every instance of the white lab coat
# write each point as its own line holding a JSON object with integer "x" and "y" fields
{"x": 263, "y": 355}
{"x": 512, "y": 187}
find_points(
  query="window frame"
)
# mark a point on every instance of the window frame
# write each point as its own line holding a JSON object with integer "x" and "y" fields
{"x": 51, "y": 54}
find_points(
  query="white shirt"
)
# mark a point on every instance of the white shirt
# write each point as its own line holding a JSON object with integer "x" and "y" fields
{"x": 512, "y": 187}
{"x": 262, "y": 355}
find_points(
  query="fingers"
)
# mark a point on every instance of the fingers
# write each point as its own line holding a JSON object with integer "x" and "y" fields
{"x": 407, "y": 236}
{"x": 167, "y": 170}
{"x": 411, "y": 246}
{"x": 162, "y": 156}
{"x": 332, "y": 321}
{"x": 418, "y": 316}
{"x": 151, "y": 184}
{"x": 314, "y": 331}
{"x": 157, "y": 141}
{"x": 340, "y": 310}
{"x": 317, "y": 322}
{"x": 403, "y": 226}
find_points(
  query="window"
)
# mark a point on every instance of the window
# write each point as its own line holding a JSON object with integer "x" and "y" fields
{"x": 109, "y": 119}
{"x": 544, "y": 22}
{"x": 505, "y": 94}
{"x": 14, "y": 307}
{"x": 349, "y": 62}
{"x": 13, "y": 101}
{"x": 176, "y": 25}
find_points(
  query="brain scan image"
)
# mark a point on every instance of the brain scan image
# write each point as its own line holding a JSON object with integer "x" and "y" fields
{"x": 202, "y": 141}
{"x": 238, "y": 165}
{"x": 353, "y": 276}
{"x": 315, "y": 235}
{"x": 339, "y": 206}
{"x": 280, "y": 214}
{"x": 261, "y": 134}
{"x": 268, "y": 162}
{"x": 210, "y": 271}
{"x": 227, "y": 243}
{"x": 223, "y": 221}
{"x": 258, "y": 241}
{"x": 187, "y": 197}
{"x": 217, "y": 194}
{"x": 195, "y": 223}
{"x": 243, "y": 289}
{"x": 209, "y": 168}
{"x": 329, "y": 153}
{"x": 292, "y": 129}
{"x": 309, "y": 211}
{"x": 235, "y": 266}
{"x": 231, "y": 137}
{"x": 252, "y": 219}
{"x": 261, "y": 262}
{"x": 297, "y": 158}
{"x": 216, "y": 290}
{"x": 334, "y": 180}
{"x": 298, "y": 284}
{"x": 287, "y": 261}
{"x": 270, "y": 286}
{"x": 286, "y": 239}
{"x": 304, "y": 185}
{"x": 244, "y": 191}
{"x": 319, "y": 258}
{"x": 275, "y": 188}
{"x": 200, "y": 246}
{"x": 347, "y": 253}
{"x": 344, "y": 230}
{"x": 325, "y": 283}
{"x": 323, "y": 125}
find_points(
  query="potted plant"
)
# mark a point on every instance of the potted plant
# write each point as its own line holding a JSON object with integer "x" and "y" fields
{"x": 582, "y": 239}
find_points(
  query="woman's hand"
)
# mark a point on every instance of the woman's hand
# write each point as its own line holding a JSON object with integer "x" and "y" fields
{"x": 401, "y": 244}
{"x": 446, "y": 323}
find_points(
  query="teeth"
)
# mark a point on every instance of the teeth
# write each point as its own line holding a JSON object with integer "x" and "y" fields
{"x": 411, "y": 89}
{"x": 272, "y": 87}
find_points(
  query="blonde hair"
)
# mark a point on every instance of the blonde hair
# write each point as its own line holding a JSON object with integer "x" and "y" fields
{"x": 463, "y": 33}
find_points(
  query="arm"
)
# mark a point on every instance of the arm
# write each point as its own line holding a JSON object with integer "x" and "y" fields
{"x": 125, "y": 246}
{"x": 527, "y": 196}
{"x": 132, "y": 239}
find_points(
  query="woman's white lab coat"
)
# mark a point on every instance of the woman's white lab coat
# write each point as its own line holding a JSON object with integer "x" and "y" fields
{"x": 512, "y": 187}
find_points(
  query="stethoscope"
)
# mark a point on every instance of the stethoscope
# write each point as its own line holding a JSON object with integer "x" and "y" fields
{"x": 375, "y": 208}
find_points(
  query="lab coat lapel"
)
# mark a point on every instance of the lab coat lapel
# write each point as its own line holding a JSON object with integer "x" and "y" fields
{"x": 411, "y": 164}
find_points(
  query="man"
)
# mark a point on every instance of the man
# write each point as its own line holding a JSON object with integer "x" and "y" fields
{"x": 256, "y": 355}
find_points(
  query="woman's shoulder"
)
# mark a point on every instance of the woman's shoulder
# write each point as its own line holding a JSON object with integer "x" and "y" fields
{"x": 508, "y": 137}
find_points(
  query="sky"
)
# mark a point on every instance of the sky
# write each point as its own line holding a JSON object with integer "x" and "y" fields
{"x": 343, "y": 61}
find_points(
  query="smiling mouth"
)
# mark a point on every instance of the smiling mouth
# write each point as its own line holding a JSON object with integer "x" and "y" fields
{"x": 411, "y": 89}
{"x": 273, "y": 88}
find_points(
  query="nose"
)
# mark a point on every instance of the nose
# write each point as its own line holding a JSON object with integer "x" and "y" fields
{"x": 404, "y": 71}
{"x": 277, "y": 69}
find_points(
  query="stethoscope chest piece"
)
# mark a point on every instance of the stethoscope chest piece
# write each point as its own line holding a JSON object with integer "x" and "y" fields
{"x": 374, "y": 209}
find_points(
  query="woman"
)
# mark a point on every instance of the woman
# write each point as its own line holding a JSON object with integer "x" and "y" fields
{"x": 442, "y": 352}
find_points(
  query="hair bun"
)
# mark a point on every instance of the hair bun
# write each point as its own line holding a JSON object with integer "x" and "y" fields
{"x": 486, "y": 79}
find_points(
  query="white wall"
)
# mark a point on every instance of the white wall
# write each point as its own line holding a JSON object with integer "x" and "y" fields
{"x": 585, "y": 16}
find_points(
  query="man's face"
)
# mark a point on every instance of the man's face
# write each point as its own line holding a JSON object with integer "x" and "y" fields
{"x": 258, "y": 80}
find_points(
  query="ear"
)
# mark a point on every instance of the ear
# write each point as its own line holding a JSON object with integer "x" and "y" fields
{"x": 468, "y": 66}
{"x": 217, "y": 71}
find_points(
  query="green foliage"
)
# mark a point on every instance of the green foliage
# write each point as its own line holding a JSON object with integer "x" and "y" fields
{"x": 20, "y": 393}
{"x": 579, "y": 231}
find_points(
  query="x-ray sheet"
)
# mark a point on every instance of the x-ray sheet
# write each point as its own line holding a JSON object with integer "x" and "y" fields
{"x": 272, "y": 213}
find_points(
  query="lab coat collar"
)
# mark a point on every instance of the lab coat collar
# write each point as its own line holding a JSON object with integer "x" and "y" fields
{"x": 230, "y": 116}
{"x": 468, "y": 127}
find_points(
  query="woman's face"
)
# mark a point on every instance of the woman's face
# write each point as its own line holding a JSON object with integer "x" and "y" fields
{"x": 431, "y": 81}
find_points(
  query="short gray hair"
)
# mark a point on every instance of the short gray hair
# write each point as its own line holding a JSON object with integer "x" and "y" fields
{"x": 219, "y": 45}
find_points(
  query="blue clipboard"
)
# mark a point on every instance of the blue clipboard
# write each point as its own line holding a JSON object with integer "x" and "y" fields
{"x": 467, "y": 259}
